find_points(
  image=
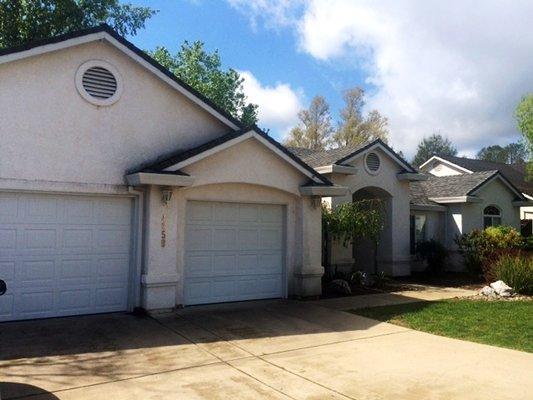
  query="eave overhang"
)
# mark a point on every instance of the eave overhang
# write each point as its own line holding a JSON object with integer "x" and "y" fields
{"x": 411, "y": 176}
{"x": 323, "y": 191}
{"x": 428, "y": 207}
{"x": 337, "y": 169}
{"x": 148, "y": 178}
{"x": 456, "y": 199}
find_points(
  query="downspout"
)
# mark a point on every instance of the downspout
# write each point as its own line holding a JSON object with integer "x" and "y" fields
{"x": 138, "y": 244}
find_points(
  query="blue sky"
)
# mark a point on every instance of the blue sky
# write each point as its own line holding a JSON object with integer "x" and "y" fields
{"x": 454, "y": 68}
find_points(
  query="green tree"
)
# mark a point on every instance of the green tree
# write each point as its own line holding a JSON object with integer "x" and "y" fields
{"x": 435, "y": 145}
{"x": 493, "y": 153}
{"x": 26, "y": 20}
{"x": 314, "y": 129}
{"x": 513, "y": 153}
{"x": 354, "y": 128}
{"x": 524, "y": 118}
{"x": 203, "y": 71}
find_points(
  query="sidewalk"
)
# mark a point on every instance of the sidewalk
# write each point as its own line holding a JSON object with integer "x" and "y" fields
{"x": 429, "y": 293}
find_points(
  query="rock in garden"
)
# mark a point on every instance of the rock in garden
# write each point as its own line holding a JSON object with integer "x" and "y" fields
{"x": 502, "y": 289}
{"x": 340, "y": 286}
{"x": 488, "y": 291}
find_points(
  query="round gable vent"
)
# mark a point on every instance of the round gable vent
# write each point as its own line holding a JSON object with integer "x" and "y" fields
{"x": 99, "y": 82}
{"x": 372, "y": 163}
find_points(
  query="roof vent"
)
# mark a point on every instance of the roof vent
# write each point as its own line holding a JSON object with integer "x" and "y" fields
{"x": 99, "y": 82}
{"x": 372, "y": 162}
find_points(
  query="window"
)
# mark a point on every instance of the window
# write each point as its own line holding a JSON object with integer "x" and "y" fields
{"x": 491, "y": 216}
{"x": 372, "y": 163}
{"x": 99, "y": 83}
{"x": 418, "y": 230}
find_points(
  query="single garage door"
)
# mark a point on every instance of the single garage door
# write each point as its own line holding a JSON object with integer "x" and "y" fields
{"x": 233, "y": 252}
{"x": 63, "y": 255}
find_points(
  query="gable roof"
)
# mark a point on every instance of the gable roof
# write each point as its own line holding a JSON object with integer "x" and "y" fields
{"x": 174, "y": 162}
{"x": 344, "y": 154}
{"x": 105, "y": 33}
{"x": 422, "y": 192}
{"x": 515, "y": 173}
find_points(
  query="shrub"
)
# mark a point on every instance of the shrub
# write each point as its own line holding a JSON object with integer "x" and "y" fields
{"x": 478, "y": 246}
{"x": 433, "y": 252}
{"x": 516, "y": 270}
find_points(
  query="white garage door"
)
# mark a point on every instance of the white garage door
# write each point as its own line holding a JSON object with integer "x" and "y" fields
{"x": 233, "y": 252}
{"x": 63, "y": 255}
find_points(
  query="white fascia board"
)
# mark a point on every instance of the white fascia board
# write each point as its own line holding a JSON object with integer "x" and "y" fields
{"x": 408, "y": 176}
{"x": 448, "y": 163}
{"x": 323, "y": 191}
{"x": 110, "y": 39}
{"x": 456, "y": 199}
{"x": 337, "y": 169}
{"x": 47, "y": 48}
{"x": 240, "y": 139}
{"x": 146, "y": 178}
{"x": 527, "y": 196}
{"x": 382, "y": 148}
{"x": 428, "y": 207}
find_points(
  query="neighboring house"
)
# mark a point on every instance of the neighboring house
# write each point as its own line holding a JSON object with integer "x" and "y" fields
{"x": 122, "y": 187}
{"x": 370, "y": 171}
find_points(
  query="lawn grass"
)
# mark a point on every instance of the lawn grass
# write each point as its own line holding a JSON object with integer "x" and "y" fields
{"x": 498, "y": 323}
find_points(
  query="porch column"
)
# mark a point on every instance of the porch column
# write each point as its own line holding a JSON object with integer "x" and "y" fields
{"x": 160, "y": 278}
{"x": 309, "y": 270}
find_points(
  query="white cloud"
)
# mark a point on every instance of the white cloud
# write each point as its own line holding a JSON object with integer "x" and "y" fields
{"x": 278, "y": 104}
{"x": 456, "y": 67}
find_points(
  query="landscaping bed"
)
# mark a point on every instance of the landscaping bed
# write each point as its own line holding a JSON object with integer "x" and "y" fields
{"x": 498, "y": 323}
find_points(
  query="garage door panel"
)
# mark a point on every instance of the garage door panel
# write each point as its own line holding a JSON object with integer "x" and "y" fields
{"x": 270, "y": 239}
{"x": 248, "y": 213}
{"x": 9, "y": 211}
{"x": 198, "y": 238}
{"x": 233, "y": 252}
{"x": 226, "y": 212}
{"x": 248, "y": 239}
{"x": 65, "y": 255}
{"x": 8, "y": 238}
{"x": 272, "y": 214}
{"x": 77, "y": 238}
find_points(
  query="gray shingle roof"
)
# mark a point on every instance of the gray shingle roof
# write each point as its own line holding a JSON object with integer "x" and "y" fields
{"x": 515, "y": 173}
{"x": 447, "y": 186}
{"x": 339, "y": 155}
{"x": 319, "y": 158}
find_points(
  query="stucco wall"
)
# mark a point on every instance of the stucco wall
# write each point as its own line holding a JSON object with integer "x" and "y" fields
{"x": 244, "y": 173}
{"x": 398, "y": 215}
{"x": 441, "y": 169}
{"x": 494, "y": 193}
{"x": 50, "y": 133}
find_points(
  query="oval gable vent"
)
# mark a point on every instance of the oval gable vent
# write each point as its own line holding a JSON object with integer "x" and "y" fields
{"x": 99, "y": 82}
{"x": 373, "y": 162}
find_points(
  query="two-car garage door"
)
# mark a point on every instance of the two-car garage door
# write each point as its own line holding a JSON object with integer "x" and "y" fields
{"x": 63, "y": 255}
{"x": 233, "y": 252}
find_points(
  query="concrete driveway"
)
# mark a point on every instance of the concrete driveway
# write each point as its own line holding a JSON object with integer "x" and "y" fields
{"x": 255, "y": 350}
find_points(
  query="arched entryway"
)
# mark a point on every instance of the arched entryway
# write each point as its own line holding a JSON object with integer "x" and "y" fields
{"x": 364, "y": 250}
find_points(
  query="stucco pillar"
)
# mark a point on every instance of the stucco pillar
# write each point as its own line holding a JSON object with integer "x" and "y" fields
{"x": 308, "y": 272}
{"x": 160, "y": 277}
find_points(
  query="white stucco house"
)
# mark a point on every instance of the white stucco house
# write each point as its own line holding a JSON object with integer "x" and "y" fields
{"x": 440, "y": 201}
{"x": 463, "y": 194}
{"x": 122, "y": 187}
